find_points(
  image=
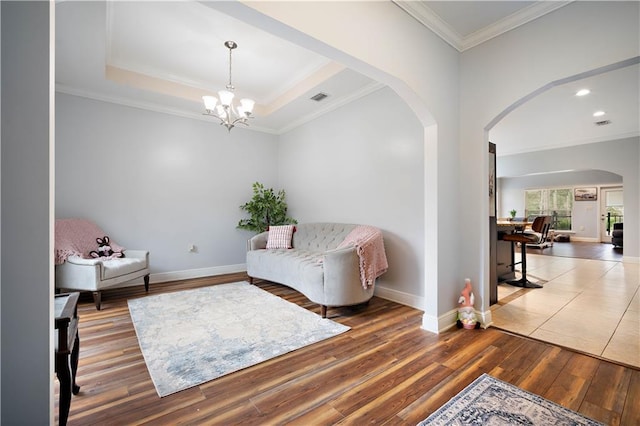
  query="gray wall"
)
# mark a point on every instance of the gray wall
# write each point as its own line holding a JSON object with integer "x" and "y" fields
{"x": 586, "y": 213}
{"x": 620, "y": 157}
{"x": 364, "y": 163}
{"x": 160, "y": 182}
{"x": 27, "y": 296}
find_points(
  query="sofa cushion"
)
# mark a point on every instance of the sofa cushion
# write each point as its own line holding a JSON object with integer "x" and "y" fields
{"x": 117, "y": 267}
{"x": 292, "y": 267}
{"x": 280, "y": 237}
{"x": 320, "y": 237}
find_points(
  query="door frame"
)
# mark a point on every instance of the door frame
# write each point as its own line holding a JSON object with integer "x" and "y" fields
{"x": 604, "y": 238}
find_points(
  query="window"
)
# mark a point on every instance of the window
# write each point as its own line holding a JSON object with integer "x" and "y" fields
{"x": 554, "y": 202}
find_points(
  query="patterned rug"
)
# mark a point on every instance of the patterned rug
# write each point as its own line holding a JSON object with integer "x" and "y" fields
{"x": 489, "y": 401}
{"x": 193, "y": 336}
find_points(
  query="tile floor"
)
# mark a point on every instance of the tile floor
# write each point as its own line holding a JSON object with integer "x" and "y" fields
{"x": 589, "y": 305}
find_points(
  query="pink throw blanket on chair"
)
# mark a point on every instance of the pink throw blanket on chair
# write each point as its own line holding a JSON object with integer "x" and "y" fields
{"x": 77, "y": 237}
{"x": 370, "y": 249}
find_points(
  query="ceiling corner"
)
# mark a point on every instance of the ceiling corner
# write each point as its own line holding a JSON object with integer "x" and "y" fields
{"x": 510, "y": 22}
{"x": 420, "y": 11}
{"x": 427, "y": 17}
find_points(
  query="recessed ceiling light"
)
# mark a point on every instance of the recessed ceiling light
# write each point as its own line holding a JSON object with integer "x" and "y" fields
{"x": 598, "y": 113}
{"x": 583, "y": 92}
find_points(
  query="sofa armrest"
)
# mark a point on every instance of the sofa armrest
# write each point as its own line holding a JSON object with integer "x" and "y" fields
{"x": 258, "y": 242}
{"x": 342, "y": 285}
{"x": 77, "y": 273}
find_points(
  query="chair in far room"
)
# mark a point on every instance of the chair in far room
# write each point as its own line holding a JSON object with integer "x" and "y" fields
{"x": 542, "y": 236}
{"x": 540, "y": 225}
{"x": 87, "y": 260}
{"x": 616, "y": 235}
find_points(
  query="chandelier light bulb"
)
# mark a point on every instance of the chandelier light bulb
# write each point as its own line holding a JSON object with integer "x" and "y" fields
{"x": 210, "y": 102}
{"x": 226, "y": 97}
{"x": 247, "y": 105}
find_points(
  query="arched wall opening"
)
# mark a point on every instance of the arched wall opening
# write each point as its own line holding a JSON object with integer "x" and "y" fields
{"x": 261, "y": 16}
{"x": 590, "y": 156}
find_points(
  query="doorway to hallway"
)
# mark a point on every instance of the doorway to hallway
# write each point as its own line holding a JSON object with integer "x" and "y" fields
{"x": 611, "y": 211}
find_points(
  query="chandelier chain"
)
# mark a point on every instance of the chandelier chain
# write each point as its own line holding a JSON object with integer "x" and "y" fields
{"x": 230, "y": 85}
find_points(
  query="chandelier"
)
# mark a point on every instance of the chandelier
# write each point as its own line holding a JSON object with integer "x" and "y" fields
{"x": 225, "y": 111}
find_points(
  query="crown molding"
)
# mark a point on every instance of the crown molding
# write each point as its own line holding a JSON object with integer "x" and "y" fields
{"x": 427, "y": 17}
{"x": 121, "y": 100}
{"x": 149, "y": 106}
{"x": 512, "y": 21}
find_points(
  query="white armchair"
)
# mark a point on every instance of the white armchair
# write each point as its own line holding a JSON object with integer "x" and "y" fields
{"x": 77, "y": 270}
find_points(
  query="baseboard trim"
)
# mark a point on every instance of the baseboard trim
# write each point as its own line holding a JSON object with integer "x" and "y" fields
{"x": 486, "y": 319}
{"x": 403, "y": 298}
{"x": 430, "y": 323}
{"x": 162, "y": 277}
{"x": 630, "y": 259}
{"x": 449, "y": 320}
{"x": 585, "y": 239}
{"x": 440, "y": 324}
{"x": 198, "y": 273}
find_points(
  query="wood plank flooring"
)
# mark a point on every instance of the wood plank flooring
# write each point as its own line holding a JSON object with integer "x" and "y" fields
{"x": 385, "y": 370}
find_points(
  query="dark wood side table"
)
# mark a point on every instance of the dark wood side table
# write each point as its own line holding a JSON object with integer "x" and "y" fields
{"x": 67, "y": 347}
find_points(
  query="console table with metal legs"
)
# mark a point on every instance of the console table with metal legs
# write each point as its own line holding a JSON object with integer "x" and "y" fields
{"x": 67, "y": 347}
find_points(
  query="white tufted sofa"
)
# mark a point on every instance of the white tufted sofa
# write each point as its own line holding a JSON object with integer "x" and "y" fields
{"x": 314, "y": 266}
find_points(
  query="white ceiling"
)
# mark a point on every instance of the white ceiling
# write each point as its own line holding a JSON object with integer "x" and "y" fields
{"x": 165, "y": 55}
{"x": 559, "y": 118}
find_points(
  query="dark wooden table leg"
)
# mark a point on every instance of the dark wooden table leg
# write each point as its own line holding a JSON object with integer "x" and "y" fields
{"x": 67, "y": 350}
{"x": 74, "y": 364}
{"x": 64, "y": 377}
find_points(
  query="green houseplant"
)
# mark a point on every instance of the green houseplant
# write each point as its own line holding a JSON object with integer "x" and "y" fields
{"x": 513, "y": 213}
{"x": 265, "y": 208}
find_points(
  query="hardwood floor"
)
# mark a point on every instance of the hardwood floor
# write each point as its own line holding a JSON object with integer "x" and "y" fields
{"x": 385, "y": 370}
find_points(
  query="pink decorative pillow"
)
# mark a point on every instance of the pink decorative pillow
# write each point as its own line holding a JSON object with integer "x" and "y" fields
{"x": 280, "y": 237}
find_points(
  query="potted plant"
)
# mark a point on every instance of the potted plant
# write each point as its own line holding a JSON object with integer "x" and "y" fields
{"x": 265, "y": 208}
{"x": 513, "y": 213}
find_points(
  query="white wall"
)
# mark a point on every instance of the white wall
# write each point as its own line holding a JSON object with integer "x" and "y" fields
{"x": 160, "y": 182}
{"x": 498, "y": 73}
{"x": 27, "y": 290}
{"x": 364, "y": 163}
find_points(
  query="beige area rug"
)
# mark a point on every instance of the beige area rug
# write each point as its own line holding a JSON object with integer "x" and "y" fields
{"x": 193, "y": 336}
